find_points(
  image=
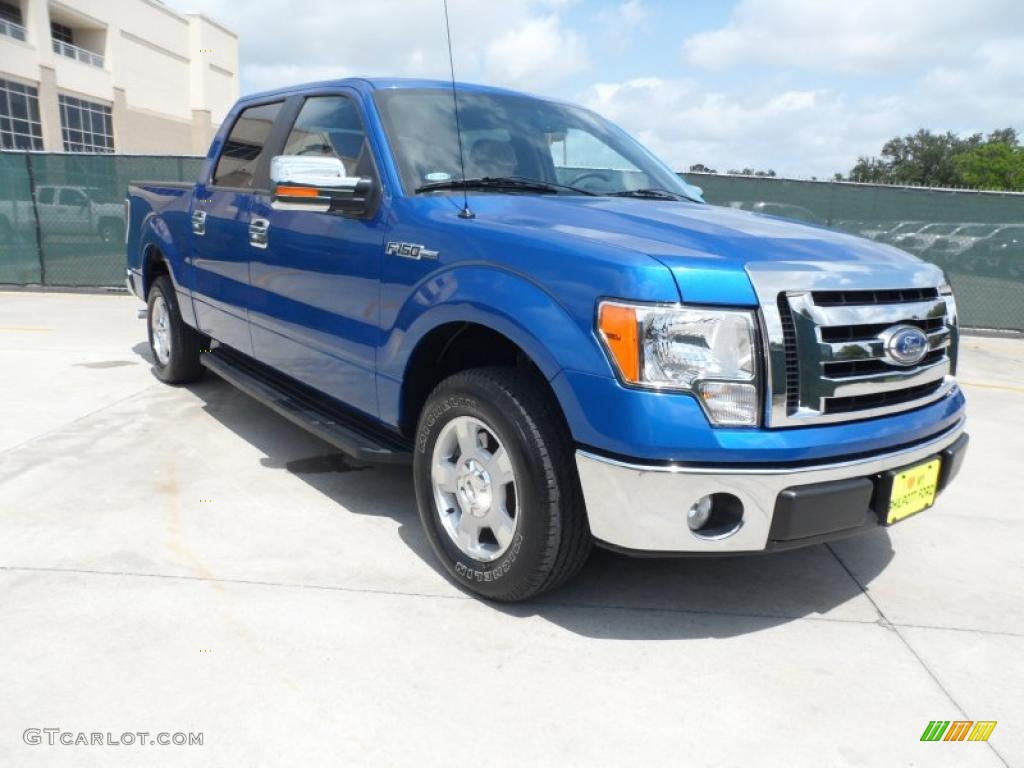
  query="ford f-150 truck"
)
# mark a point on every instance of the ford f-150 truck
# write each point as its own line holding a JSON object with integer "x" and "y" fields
{"x": 568, "y": 345}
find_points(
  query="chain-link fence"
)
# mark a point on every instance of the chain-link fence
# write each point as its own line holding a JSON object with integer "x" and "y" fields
{"x": 62, "y": 216}
{"x": 976, "y": 237}
{"x": 62, "y": 223}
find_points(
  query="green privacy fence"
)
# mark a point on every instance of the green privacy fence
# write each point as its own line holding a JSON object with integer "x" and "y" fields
{"x": 62, "y": 223}
{"x": 976, "y": 237}
{"x": 62, "y": 216}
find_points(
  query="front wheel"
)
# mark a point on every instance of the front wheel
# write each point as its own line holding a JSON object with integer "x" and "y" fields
{"x": 496, "y": 484}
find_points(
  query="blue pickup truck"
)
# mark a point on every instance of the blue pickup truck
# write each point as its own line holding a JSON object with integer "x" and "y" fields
{"x": 565, "y": 342}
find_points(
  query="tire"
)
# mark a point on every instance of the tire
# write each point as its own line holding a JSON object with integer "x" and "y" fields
{"x": 175, "y": 345}
{"x": 507, "y": 422}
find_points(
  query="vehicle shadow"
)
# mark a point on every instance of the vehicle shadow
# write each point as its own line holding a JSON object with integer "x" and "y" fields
{"x": 615, "y": 596}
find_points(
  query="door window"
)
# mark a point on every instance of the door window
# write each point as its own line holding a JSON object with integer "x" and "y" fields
{"x": 72, "y": 197}
{"x": 329, "y": 126}
{"x": 244, "y": 146}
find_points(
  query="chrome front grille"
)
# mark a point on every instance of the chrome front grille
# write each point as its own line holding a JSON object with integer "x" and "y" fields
{"x": 834, "y": 360}
{"x": 824, "y": 325}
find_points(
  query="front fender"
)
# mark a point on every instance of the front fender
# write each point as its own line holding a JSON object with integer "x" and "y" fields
{"x": 505, "y": 301}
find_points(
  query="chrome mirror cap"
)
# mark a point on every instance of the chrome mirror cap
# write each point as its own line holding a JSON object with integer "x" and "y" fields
{"x": 317, "y": 184}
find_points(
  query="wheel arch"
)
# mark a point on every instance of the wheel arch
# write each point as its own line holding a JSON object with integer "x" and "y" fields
{"x": 451, "y": 348}
{"x": 506, "y": 316}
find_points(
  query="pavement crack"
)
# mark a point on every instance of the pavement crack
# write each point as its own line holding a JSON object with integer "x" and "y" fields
{"x": 547, "y": 603}
{"x": 884, "y": 621}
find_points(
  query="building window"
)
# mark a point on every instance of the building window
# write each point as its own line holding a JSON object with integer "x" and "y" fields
{"x": 19, "y": 117}
{"x": 11, "y": 23}
{"x": 62, "y": 33}
{"x": 85, "y": 125}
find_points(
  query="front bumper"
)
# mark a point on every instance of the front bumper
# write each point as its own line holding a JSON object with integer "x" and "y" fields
{"x": 642, "y": 508}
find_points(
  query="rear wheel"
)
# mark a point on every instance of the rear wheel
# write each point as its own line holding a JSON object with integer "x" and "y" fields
{"x": 496, "y": 484}
{"x": 175, "y": 345}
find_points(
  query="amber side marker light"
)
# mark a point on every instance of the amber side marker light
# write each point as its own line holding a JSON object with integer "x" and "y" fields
{"x": 619, "y": 328}
{"x": 283, "y": 191}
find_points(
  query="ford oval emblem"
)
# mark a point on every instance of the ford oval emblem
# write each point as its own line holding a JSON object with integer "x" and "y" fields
{"x": 904, "y": 344}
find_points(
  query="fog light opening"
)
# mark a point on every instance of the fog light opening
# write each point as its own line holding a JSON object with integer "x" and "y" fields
{"x": 715, "y": 516}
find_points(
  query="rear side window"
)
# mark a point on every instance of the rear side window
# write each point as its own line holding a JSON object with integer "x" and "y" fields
{"x": 241, "y": 153}
{"x": 46, "y": 195}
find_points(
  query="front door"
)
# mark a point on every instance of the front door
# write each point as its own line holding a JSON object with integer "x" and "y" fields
{"x": 316, "y": 296}
{"x": 220, "y": 228}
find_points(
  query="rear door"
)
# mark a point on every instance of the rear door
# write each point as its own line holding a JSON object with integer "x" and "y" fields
{"x": 220, "y": 227}
{"x": 316, "y": 289}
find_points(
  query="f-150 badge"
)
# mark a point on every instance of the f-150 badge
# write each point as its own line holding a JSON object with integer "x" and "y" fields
{"x": 409, "y": 251}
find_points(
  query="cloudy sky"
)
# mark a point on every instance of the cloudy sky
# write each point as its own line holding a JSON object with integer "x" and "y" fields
{"x": 801, "y": 86}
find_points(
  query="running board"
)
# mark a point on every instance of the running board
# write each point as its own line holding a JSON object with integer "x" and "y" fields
{"x": 329, "y": 420}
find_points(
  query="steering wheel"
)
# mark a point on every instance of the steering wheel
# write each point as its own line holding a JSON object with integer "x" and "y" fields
{"x": 602, "y": 175}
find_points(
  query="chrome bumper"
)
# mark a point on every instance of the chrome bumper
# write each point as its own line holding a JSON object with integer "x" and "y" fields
{"x": 643, "y": 507}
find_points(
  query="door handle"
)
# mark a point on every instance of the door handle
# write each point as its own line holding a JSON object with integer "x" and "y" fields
{"x": 258, "y": 229}
{"x": 198, "y": 222}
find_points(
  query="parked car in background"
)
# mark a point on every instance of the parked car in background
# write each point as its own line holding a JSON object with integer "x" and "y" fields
{"x": 899, "y": 229}
{"x": 946, "y": 248}
{"x": 564, "y": 341}
{"x": 1001, "y": 254}
{"x": 917, "y": 242}
{"x": 64, "y": 210}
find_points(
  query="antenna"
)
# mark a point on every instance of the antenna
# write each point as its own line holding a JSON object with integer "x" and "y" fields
{"x": 465, "y": 213}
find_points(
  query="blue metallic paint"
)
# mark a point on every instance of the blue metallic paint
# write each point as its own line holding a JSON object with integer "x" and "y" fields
{"x": 220, "y": 266}
{"x": 531, "y": 268}
{"x": 661, "y": 426}
{"x": 314, "y": 302}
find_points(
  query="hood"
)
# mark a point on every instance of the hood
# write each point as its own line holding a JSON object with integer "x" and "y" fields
{"x": 709, "y": 249}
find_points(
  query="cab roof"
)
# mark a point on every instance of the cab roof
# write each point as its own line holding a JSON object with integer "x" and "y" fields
{"x": 368, "y": 84}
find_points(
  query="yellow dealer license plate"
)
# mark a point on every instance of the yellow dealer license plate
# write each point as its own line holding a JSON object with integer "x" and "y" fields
{"x": 913, "y": 490}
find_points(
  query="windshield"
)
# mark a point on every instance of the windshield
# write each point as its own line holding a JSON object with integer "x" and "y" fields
{"x": 506, "y": 135}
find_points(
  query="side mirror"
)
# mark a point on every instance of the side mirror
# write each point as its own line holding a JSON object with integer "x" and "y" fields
{"x": 300, "y": 183}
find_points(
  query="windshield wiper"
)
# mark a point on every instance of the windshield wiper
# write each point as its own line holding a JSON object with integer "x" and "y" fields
{"x": 511, "y": 183}
{"x": 648, "y": 194}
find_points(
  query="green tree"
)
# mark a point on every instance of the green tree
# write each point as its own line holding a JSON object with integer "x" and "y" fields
{"x": 946, "y": 160}
{"x": 994, "y": 165}
{"x": 750, "y": 172}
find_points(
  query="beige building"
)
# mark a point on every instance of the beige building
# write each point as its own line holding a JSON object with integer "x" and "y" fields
{"x": 127, "y": 76}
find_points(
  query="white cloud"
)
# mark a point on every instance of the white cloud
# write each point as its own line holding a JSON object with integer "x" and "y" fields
{"x": 539, "y": 51}
{"x": 515, "y": 42}
{"x": 861, "y": 36}
{"x": 621, "y": 22}
{"x": 795, "y": 132}
{"x": 788, "y": 102}
{"x": 983, "y": 93}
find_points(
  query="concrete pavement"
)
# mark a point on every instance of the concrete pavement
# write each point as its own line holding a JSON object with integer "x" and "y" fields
{"x": 184, "y": 560}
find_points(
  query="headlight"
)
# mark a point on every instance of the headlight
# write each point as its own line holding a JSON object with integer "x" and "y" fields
{"x": 708, "y": 352}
